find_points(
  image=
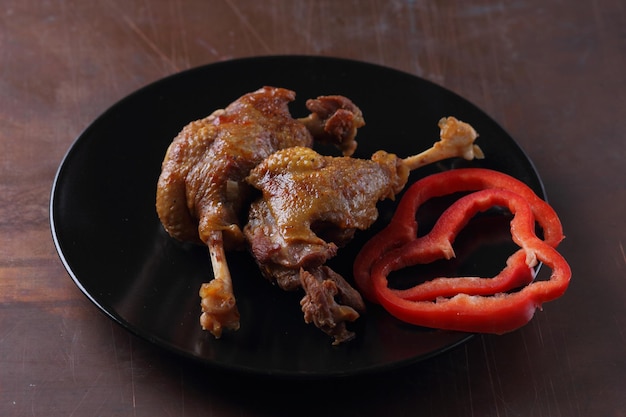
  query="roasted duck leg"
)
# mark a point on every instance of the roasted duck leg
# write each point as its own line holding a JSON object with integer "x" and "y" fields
{"x": 202, "y": 193}
{"x": 312, "y": 204}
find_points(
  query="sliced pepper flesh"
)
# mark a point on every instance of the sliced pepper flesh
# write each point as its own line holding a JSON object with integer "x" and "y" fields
{"x": 489, "y": 305}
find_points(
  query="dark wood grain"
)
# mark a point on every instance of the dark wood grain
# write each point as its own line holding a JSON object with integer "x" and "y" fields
{"x": 551, "y": 73}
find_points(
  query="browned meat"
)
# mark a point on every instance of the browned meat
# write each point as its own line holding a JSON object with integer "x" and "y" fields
{"x": 312, "y": 204}
{"x": 201, "y": 186}
{"x": 307, "y": 195}
{"x": 201, "y": 193}
{"x": 323, "y": 287}
{"x": 334, "y": 120}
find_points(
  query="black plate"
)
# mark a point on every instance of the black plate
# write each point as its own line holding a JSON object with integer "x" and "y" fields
{"x": 110, "y": 240}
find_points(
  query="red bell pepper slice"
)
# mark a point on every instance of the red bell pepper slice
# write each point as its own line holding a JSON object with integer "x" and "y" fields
{"x": 470, "y": 304}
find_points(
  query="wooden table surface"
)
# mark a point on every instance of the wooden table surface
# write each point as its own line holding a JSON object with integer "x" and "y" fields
{"x": 551, "y": 73}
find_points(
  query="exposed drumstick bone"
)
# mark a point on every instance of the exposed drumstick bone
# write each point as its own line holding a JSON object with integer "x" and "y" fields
{"x": 219, "y": 307}
{"x": 457, "y": 140}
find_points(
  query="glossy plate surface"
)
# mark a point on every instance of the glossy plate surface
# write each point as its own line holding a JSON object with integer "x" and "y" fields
{"x": 110, "y": 240}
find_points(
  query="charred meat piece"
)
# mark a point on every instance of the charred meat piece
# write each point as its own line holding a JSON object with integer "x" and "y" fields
{"x": 201, "y": 192}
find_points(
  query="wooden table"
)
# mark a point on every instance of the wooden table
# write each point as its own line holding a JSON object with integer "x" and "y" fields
{"x": 552, "y": 74}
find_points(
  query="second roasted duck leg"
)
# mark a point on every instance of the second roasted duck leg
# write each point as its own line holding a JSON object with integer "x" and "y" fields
{"x": 312, "y": 204}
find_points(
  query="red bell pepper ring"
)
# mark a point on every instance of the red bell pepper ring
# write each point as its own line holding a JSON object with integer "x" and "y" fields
{"x": 403, "y": 226}
{"x": 469, "y": 304}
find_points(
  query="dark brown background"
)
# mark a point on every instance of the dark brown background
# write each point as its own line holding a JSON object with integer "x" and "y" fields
{"x": 551, "y": 73}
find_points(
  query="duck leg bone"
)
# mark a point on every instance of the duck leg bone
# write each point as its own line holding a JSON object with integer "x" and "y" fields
{"x": 219, "y": 307}
{"x": 456, "y": 140}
